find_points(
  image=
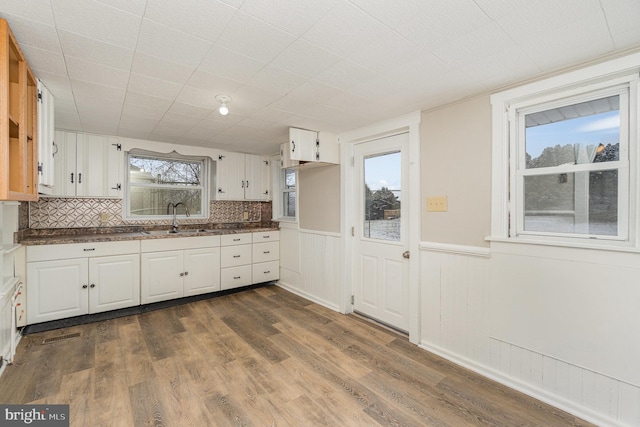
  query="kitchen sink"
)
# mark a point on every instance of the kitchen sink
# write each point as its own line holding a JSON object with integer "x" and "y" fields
{"x": 169, "y": 232}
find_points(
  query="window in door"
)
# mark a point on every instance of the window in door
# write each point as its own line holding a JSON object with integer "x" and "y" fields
{"x": 382, "y": 198}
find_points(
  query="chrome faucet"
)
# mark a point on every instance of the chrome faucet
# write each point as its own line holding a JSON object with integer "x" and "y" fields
{"x": 174, "y": 226}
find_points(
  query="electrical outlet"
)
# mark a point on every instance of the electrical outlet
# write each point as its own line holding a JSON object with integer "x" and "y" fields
{"x": 437, "y": 204}
{"x": 104, "y": 217}
{"x": 246, "y": 215}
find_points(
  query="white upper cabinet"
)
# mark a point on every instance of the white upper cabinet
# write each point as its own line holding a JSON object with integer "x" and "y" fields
{"x": 88, "y": 165}
{"x": 307, "y": 146}
{"x": 242, "y": 177}
{"x": 46, "y": 140}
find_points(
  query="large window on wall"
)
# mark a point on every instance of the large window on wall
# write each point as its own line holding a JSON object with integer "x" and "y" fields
{"x": 571, "y": 163}
{"x": 157, "y": 182}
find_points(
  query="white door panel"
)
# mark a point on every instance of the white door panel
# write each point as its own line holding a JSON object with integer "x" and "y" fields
{"x": 381, "y": 230}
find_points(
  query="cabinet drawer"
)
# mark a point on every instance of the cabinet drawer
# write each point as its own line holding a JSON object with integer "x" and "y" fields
{"x": 235, "y": 239}
{"x": 235, "y": 277}
{"x": 263, "y": 252}
{"x": 266, "y": 271}
{"x": 266, "y": 236}
{"x": 232, "y": 256}
{"x": 81, "y": 250}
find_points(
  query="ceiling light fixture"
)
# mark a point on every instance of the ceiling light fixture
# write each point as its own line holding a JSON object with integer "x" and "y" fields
{"x": 223, "y": 100}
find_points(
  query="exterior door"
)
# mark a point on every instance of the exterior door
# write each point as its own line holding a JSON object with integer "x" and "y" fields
{"x": 380, "y": 255}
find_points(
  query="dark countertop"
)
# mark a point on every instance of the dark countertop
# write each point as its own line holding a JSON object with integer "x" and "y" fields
{"x": 52, "y": 236}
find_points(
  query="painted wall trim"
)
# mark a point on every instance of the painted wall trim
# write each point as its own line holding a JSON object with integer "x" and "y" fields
{"x": 308, "y": 296}
{"x": 320, "y": 233}
{"x": 455, "y": 249}
{"x": 551, "y": 399}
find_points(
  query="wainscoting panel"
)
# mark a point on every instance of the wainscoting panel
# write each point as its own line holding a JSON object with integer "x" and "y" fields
{"x": 318, "y": 278}
{"x": 455, "y": 323}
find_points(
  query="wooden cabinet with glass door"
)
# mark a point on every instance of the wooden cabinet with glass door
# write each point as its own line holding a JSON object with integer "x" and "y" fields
{"x": 18, "y": 122}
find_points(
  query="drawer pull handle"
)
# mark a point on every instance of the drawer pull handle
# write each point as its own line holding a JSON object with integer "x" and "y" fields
{"x": 266, "y": 237}
{"x": 266, "y": 252}
{"x": 267, "y": 272}
{"x": 236, "y": 240}
{"x": 236, "y": 256}
{"x": 236, "y": 277}
{"x": 89, "y": 249}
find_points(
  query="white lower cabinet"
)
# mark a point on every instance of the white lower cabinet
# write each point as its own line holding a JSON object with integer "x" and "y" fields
{"x": 235, "y": 260}
{"x": 61, "y": 288}
{"x": 170, "y": 270}
{"x": 266, "y": 256}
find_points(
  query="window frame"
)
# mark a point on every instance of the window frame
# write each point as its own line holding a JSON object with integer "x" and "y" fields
{"x": 517, "y": 114}
{"x": 583, "y": 84}
{"x": 203, "y": 187}
{"x": 284, "y": 190}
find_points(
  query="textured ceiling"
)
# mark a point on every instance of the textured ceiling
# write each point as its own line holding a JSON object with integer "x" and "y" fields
{"x": 151, "y": 69}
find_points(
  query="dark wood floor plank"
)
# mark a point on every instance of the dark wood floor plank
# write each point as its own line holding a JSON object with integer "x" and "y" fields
{"x": 262, "y": 357}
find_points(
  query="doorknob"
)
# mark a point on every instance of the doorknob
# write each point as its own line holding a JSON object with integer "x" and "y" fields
{"x": 406, "y": 254}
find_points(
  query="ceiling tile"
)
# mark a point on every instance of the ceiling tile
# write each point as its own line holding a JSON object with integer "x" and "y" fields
{"x": 292, "y": 104}
{"x": 253, "y": 38}
{"x": 67, "y": 120}
{"x": 303, "y": 58}
{"x": 211, "y": 82}
{"x": 161, "y": 69}
{"x": 345, "y": 74}
{"x": 171, "y": 45}
{"x": 148, "y": 101}
{"x": 315, "y": 90}
{"x": 95, "y": 51}
{"x": 142, "y": 112}
{"x": 179, "y": 121}
{"x": 36, "y": 10}
{"x": 392, "y": 14}
{"x": 188, "y": 110}
{"x": 251, "y": 98}
{"x": 345, "y": 30}
{"x": 276, "y": 79}
{"x": 155, "y": 87}
{"x": 231, "y": 65}
{"x": 446, "y": 21}
{"x": 33, "y": 33}
{"x": 96, "y": 73}
{"x": 200, "y": 18}
{"x": 292, "y": 16}
{"x": 197, "y": 97}
{"x": 46, "y": 60}
{"x": 135, "y": 7}
{"x": 393, "y": 50}
{"x": 622, "y": 19}
{"x": 104, "y": 23}
{"x": 85, "y": 91}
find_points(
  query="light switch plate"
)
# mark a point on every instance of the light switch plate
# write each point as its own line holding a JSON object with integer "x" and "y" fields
{"x": 437, "y": 204}
{"x": 104, "y": 217}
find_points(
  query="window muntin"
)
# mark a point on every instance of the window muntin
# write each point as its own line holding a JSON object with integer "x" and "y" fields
{"x": 156, "y": 182}
{"x": 289, "y": 193}
{"x": 572, "y": 167}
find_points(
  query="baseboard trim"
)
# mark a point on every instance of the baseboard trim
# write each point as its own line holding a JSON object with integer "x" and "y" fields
{"x": 305, "y": 295}
{"x": 551, "y": 399}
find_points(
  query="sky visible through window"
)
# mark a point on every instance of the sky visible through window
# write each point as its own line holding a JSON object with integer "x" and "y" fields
{"x": 589, "y": 130}
{"x": 383, "y": 171}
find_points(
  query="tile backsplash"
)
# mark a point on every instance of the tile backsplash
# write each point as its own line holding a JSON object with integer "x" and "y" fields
{"x": 50, "y": 212}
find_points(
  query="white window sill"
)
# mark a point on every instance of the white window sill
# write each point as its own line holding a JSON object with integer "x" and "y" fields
{"x": 596, "y": 245}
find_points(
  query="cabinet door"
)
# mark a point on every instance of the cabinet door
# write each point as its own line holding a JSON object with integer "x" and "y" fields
{"x": 160, "y": 276}
{"x": 231, "y": 256}
{"x": 263, "y": 252}
{"x": 302, "y": 145}
{"x": 65, "y": 165}
{"x": 285, "y": 156}
{"x": 202, "y": 271}
{"x": 230, "y": 176}
{"x": 235, "y": 277}
{"x": 328, "y": 148}
{"x": 57, "y": 289}
{"x": 265, "y": 272}
{"x": 114, "y": 282}
{"x": 46, "y": 142}
{"x": 92, "y": 165}
{"x": 115, "y": 168}
{"x": 256, "y": 177}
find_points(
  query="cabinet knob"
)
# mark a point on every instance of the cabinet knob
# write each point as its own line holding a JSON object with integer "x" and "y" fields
{"x": 186, "y": 273}
{"x": 92, "y": 286}
{"x": 181, "y": 274}
{"x": 84, "y": 286}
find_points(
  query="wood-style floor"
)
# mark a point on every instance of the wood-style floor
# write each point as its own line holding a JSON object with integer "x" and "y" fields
{"x": 262, "y": 357}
